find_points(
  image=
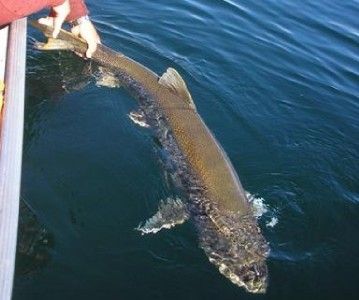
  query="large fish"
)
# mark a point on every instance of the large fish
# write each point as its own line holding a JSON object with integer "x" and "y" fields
{"x": 216, "y": 201}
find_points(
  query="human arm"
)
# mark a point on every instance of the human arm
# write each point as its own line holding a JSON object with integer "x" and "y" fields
{"x": 17, "y": 9}
{"x": 69, "y": 10}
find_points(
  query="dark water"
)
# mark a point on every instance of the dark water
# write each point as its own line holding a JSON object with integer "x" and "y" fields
{"x": 276, "y": 81}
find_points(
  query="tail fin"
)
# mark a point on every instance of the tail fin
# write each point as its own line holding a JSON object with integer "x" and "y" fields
{"x": 54, "y": 44}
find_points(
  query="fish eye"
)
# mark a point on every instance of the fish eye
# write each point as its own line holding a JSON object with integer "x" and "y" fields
{"x": 256, "y": 270}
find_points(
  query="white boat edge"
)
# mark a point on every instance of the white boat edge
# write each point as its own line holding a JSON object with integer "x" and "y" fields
{"x": 12, "y": 72}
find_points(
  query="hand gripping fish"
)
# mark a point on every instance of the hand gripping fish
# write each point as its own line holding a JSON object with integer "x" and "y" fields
{"x": 215, "y": 199}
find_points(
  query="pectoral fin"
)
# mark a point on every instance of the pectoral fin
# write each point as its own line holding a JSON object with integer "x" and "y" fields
{"x": 171, "y": 212}
{"x": 106, "y": 78}
{"x": 173, "y": 80}
{"x": 139, "y": 118}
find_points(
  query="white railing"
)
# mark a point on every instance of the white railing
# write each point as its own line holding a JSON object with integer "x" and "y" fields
{"x": 11, "y": 139}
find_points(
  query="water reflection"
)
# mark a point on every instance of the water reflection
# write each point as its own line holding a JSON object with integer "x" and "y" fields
{"x": 34, "y": 244}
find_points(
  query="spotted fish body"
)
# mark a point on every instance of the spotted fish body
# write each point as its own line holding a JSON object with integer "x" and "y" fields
{"x": 228, "y": 231}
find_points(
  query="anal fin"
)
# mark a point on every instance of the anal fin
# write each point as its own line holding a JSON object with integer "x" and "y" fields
{"x": 171, "y": 212}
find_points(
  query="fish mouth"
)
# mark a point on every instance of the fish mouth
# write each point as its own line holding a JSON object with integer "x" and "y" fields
{"x": 252, "y": 278}
{"x": 244, "y": 269}
{"x": 234, "y": 244}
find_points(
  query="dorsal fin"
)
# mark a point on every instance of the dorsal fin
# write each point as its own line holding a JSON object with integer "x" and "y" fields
{"x": 172, "y": 80}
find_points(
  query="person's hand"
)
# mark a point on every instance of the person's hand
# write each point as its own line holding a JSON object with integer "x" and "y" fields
{"x": 60, "y": 13}
{"x": 87, "y": 31}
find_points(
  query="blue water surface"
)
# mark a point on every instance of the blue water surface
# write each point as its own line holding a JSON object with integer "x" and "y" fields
{"x": 277, "y": 83}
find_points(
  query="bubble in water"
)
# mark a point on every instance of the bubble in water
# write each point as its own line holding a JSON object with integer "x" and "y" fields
{"x": 272, "y": 222}
{"x": 258, "y": 205}
{"x": 260, "y": 208}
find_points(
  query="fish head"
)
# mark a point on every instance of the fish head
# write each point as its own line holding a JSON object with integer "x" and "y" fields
{"x": 238, "y": 249}
{"x": 253, "y": 277}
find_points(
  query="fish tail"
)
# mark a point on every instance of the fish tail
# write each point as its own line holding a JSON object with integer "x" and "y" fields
{"x": 54, "y": 44}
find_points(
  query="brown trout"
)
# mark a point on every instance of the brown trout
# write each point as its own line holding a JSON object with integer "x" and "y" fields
{"x": 216, "y": 201}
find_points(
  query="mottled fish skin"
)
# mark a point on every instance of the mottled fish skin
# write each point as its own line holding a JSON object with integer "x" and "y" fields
{"x": 228, "y": 231}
